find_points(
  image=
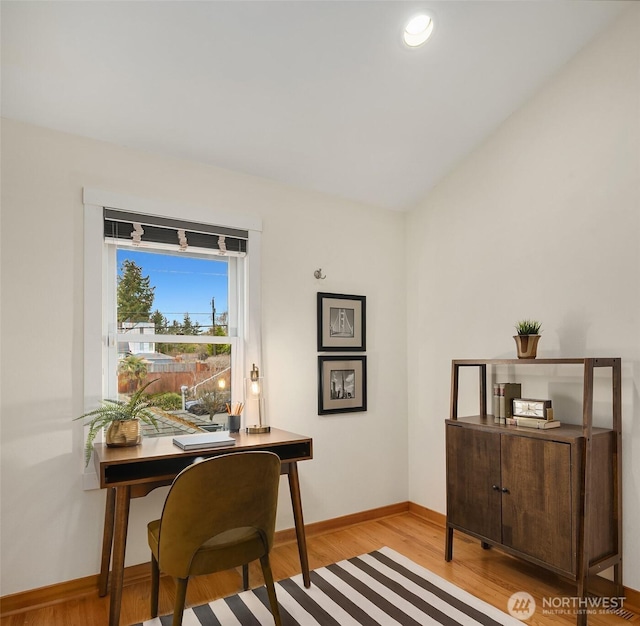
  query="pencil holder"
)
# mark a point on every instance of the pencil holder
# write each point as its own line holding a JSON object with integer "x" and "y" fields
{"x": 234, "y": 423}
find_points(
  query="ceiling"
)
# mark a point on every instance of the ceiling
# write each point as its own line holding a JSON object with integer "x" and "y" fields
{"x": 320, "y": 95}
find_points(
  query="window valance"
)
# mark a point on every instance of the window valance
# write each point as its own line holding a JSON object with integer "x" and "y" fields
{"x": 138, "y": 229}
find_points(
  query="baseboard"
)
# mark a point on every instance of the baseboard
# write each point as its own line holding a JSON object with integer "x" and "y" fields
{"x": 62, "y": 592}
{"x": 427, "y": 514}
{"x": 338, "y": 523}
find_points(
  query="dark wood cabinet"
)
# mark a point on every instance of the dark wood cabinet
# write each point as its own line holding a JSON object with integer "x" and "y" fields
{"x": 538, "y": 500}
{"x": 473, "y": 477}
{"x": 514, "y": 491}
{"x": 552, "y": 497}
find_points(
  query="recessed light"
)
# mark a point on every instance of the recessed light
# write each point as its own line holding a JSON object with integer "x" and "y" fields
{"x": 418, "y": 30}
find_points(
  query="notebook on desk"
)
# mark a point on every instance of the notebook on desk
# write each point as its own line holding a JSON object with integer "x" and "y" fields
{"x": 202, "y": 441}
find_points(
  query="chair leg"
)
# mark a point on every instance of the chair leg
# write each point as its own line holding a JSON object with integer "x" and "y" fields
{"x": 245, "y": 576}
{"x": 271, "y": 589}
{"x": 181, "y": 598}
{"x": 155, "y": 586}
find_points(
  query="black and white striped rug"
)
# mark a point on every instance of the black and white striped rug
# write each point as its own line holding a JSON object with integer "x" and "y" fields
{"x": 382, "y": 588}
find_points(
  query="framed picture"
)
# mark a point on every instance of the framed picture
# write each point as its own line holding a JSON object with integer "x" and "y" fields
{"x": 342, "y": 323}
{"x": 342, "y": 384}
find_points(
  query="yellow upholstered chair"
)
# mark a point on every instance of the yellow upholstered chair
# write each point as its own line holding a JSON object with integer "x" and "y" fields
{"x": 219, "y": 514}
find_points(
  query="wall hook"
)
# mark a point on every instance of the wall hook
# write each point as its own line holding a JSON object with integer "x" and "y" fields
{"x": 318, "y": 274}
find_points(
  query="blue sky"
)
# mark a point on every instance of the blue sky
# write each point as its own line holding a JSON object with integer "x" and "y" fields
{"x": 183, "y": 284}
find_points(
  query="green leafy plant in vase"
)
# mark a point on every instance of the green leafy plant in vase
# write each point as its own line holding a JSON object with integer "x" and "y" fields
{"x": 527, "y": 338}
{"x": 121, "y": 419}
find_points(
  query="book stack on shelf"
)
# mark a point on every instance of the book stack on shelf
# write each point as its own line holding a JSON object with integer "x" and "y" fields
{"x": 533, "y": 422}
{"x": 503, "y": 396}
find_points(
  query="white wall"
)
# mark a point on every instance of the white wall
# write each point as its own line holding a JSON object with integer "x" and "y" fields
{"x": 550, "y": 202}
{"x": 51, "y": 528}
{"x": 542, "y": 221}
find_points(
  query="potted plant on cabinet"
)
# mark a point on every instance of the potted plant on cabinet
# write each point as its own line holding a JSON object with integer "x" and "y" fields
{"x": 527, "y": 338}
{"x": 121, "y": 419}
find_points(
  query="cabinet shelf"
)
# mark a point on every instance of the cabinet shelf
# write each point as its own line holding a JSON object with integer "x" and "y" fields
{"x": 565, "y": 432}
{"x": 551, "y": 497}
{"x": 597, "y": 361}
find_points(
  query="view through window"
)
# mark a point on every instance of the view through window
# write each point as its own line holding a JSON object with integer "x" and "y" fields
{"x": 173, "y": 315}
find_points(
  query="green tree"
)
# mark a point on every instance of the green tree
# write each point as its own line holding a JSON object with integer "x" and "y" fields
{"x": 221, "y": 348}
{"x": 134, "y": 369}
{"x": 160, "y": 322}
{"x": 189, "y": 327}
{"x": 219, "y": 330}
{"x": 135, "y": 293}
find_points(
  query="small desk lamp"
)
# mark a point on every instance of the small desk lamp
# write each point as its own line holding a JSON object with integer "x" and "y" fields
{"x": 254, "y": 390}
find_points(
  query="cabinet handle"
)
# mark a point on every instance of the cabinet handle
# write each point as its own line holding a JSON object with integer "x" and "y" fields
{"x": 495, "y": 487}
{"x": 505, "y": 490}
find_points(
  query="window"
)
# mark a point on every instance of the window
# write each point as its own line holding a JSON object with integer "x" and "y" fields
{"x": 171, "y": 304}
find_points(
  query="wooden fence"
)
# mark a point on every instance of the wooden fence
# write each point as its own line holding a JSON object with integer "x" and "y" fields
{"x": 171, "y": 381}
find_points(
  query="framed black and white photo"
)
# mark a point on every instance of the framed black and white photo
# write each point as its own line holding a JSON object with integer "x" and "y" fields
{"x": 342, "y": 323}
{"x": 342, "y": 384}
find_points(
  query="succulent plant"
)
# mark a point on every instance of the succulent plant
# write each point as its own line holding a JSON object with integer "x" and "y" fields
{"x": 528, "y": 327}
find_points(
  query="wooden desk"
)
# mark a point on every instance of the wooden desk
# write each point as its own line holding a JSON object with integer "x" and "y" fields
{"x": 135, "y": 471}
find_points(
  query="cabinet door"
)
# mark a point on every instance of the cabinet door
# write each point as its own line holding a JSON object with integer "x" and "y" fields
{"x": 536, "y": 506}
{"x": 473, "y": 469}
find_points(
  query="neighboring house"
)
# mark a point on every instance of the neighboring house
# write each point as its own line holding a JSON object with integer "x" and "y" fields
{"x": 156, "y": 361}
{"x": 135, "y": 347}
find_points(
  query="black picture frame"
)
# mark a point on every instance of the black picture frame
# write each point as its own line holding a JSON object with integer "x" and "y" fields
{"x": 342, "y": 384}
{"x": 342, "y": 323}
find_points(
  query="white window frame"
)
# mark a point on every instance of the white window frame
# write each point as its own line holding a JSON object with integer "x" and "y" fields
{"x": 114, "y": 337}
{"x": 99, "y": 292}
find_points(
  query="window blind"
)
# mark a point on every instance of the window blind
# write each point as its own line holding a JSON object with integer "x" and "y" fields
{"x": 140, "y": 229}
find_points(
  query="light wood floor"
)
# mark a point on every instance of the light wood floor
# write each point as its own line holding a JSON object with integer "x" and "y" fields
{"x": 487, "y": 574}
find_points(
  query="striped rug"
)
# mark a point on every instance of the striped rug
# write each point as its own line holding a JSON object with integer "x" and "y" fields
{"x": 382, "y": 588}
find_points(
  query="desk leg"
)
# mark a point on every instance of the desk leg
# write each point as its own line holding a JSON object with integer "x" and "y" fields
{"x": 107, "y": 541}
{"x": 294, "y": 488}
{"x": 123, "y": 499}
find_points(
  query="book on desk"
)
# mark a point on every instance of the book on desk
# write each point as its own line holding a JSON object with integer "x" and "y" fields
{"x": 204, "y": 441}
